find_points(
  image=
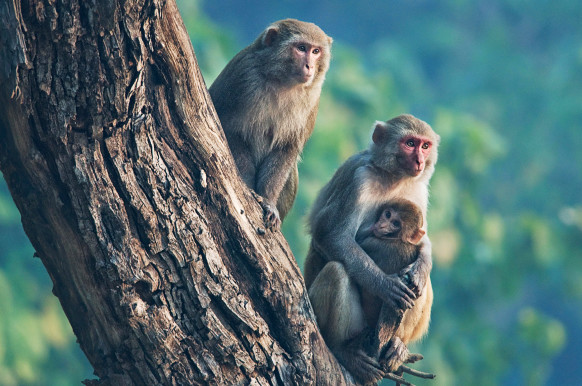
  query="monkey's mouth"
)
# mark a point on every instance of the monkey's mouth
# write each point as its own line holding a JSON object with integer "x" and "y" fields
{"x": 305, "y": 78}
{"x": 386, "y": 236}
{"x": 416, "y": 172}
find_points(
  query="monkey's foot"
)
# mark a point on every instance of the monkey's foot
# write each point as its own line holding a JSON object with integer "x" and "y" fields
{"x": 271, "y": 215}
{"x": 362, "y": 367}
{"x": 394, "y": 354}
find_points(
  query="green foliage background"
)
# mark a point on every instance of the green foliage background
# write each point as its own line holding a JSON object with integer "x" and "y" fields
{"x": 500, "y": 81}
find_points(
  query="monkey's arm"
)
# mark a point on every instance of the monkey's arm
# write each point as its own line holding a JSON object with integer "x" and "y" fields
{"x": 419, "y": 271}
{"x": 271, "y": 177}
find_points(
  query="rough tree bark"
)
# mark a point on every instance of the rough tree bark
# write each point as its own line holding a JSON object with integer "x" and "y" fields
{"x": 115, "y": 158}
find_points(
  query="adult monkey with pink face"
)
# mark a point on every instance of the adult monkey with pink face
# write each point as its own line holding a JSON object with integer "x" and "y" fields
{"x": 267, "y": 99}
{"x": 398, "y": 165}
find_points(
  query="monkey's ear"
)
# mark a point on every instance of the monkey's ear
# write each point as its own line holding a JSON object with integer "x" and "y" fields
{"x": 415, "y": 238}
{"x": 270, "y": 35}
{"x": 380, "y": 132}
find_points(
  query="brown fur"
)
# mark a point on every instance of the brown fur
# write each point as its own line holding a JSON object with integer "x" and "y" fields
{"x": 268, "y": 114}
{"x": 351, "y": 198}
{"x": 348, "y": 204}
{"x": 393, "y": 255}
{"x": 349, "y": 316}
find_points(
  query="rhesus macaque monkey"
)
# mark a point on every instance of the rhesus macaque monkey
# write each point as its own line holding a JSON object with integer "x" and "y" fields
{"x": 267, "y": 99}
{"x": 393, "y": 243}
{"x": 398, "y": 164}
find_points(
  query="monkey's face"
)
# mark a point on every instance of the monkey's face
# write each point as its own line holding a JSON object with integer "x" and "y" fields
{"x": 388, "y": 226}
{"x": 414, "y": 151}
{"x": 305, "y": 61}
{"x": 401, "y": 220}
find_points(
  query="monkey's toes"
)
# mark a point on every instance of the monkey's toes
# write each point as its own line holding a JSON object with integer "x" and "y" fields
{"x": 271, "y": 217}
{"x": 413, "y": 358}
{"x": 395, "y": 354}
{"x": 365, "y": 369}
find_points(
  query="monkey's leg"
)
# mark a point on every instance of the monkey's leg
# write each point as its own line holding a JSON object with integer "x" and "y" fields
{"x": 336, "y": 305}
{"x": 271, "y": 177}
{"x": 336, "y": 302}
{"x": 392, "y": 351}
{"x": 243, "y": 158}
{"x": 314, "y": 263}
{"x": 388, "y": 322}
{"x": 288, "y": 194}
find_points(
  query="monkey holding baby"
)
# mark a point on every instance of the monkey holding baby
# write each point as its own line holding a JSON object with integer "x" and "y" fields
{"x": 267, "y": 99}
{"x": 369, "y": 256}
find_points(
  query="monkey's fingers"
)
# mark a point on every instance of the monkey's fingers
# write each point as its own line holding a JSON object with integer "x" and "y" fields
{"x": 362, "y": 367}
{"x": 401, "y": 284}
{"x": 418, "y": 283}
{"x": 395, "y": 355}
{"x": 413, "y": 358}
{"x": 272, "y": 221}
{"x": 407, "y": 274}
{"x": 367, "y": 370}
{"x": 414, "y": 279}
{"x": 401, "y": 300}
{"x": 400, "y": 295}
{"x": 271, "y": 216}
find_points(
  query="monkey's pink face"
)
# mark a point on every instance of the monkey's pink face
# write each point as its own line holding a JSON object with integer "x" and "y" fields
{"x": 306, "y": 56}
{"x": 416, "y": 150}
{"x": 388, "y": 225}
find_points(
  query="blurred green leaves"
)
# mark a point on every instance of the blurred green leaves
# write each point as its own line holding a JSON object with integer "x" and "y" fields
{"x": 8, "y": 213}
{"x": 542, "y": 334}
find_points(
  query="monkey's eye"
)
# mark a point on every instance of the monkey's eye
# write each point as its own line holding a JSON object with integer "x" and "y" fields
{"x": 397, "y": 224}
{"x": 425, "y": 145}
{"x": 410, "y": 143}
{"x": 316, "y": 51}
{"x": 387, "y": 214}
{"x": 302, "y": 48}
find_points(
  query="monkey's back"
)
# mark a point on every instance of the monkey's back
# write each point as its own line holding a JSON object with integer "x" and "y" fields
{"x": 340, "y": 188}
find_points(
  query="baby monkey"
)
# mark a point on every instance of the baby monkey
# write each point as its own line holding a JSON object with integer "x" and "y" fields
{"x": 352, "y": 320}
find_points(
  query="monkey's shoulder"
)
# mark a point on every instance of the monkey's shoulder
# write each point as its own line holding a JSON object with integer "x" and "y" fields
{"x": 354, "y": 168}
{"x": 344, "y": 182}
{"x": 230, "y": 89}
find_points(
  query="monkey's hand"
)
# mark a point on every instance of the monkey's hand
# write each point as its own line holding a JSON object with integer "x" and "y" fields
{"x": 271, "y": 215}
{"x": 399, "y": 296}
{"x": 394, "y": 354}
{"x": 415, "y": 276}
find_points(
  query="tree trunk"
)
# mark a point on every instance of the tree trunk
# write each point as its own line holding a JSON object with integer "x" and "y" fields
{"x": 116, "y": 160}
